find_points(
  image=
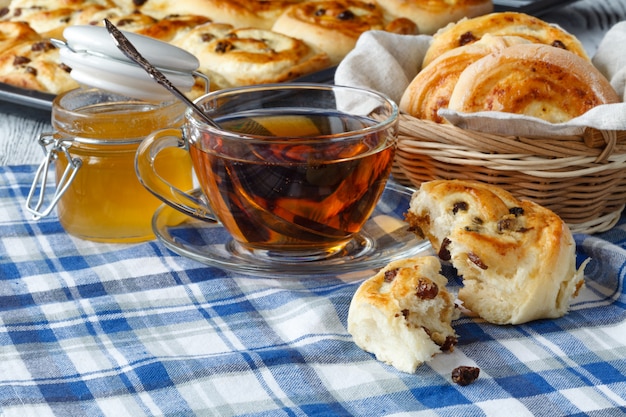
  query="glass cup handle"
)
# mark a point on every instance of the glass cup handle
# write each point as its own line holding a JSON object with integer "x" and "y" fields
{"x": 147, "y": 174}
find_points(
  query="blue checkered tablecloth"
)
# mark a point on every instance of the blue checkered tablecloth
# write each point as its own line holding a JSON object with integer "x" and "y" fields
{"x": 92, "y": 329}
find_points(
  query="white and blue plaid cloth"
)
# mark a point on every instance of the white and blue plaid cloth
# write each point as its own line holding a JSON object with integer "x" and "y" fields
{"x": 92, "y": 329}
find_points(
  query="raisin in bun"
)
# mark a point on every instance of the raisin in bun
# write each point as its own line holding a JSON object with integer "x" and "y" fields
{"x": 431, "y": 88}
{"x": 403, "y": 314}
{"x": 333, "y": 26}
{"x": 502, "y": 24}
{"x": 517, "y": 258}
{"x": 434, "y": 14}
{"x": 532, "y": 79}
{"x": 35, "y": 65}
{"x": 235, "y": 57}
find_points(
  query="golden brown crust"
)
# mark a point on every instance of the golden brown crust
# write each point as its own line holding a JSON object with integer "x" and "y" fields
{"x": 430, "y": 15}
{"x": 532, "y": 79}
{"x": 502, "y": 24}
{"x": 431, "y": 88}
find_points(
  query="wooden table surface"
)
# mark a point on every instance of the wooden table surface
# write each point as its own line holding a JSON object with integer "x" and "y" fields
{"x": 20, "y": 125}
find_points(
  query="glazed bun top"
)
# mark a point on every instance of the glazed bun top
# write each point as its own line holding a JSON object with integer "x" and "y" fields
{"x": 502, "y": 24}
{"x": 535, "y": 80}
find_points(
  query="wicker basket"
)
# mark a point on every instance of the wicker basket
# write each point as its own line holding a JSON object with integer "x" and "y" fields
{"x": 582, "y": 179}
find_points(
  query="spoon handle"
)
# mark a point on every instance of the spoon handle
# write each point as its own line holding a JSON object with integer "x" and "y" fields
{"x": 131, "y": 52}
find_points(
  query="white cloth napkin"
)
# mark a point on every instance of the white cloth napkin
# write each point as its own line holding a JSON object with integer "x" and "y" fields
{"x": 388, "y": 62}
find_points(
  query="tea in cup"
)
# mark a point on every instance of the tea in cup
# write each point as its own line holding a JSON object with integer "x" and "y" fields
{"x": 292, "y": 173}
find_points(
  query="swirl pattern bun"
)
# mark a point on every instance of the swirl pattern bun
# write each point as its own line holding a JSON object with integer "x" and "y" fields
{"x": 506, "y": 62}
{"x": 535, "y": 80}
{"x": 517, "y": 259}
{"x": 334, "y": 26}
{"x": 403, "y": 314}
{"x": 432, "y": 87}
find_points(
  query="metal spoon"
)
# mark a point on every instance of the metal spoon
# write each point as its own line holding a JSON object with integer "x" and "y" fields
{"x": 131, "y": 52}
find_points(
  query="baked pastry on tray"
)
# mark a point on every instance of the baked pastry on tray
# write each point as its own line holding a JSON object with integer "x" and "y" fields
{"x": 35, "y": 65}
{"x": 334, "y": 26}
{"x": 232, "y": 57}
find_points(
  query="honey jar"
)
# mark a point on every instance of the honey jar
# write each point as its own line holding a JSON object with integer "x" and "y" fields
{"x": 98, "y": 196}
{"x": 97, "y": 130}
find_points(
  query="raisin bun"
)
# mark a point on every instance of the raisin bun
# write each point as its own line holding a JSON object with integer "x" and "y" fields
{"x": 334, "y": 26}
{"x": 532, "y": 79}
{"x": 235, "y": 57}
{"x": 502, "y": 24}
{"x": 403, "y": 314}
{"x": 35, "y": 65}
{"x": 517, "y": 259}
{"x": 432, "y": 87}
{"x": 435, "y": 14}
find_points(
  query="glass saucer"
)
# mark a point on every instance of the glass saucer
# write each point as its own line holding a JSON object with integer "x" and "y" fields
{"x": 384, "y": 237}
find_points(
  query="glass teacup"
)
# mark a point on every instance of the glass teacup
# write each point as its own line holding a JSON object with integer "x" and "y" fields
{"x": 293, "y": 172}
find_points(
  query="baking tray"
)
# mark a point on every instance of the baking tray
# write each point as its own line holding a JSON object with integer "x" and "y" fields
{"x": 24, "y": 97}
